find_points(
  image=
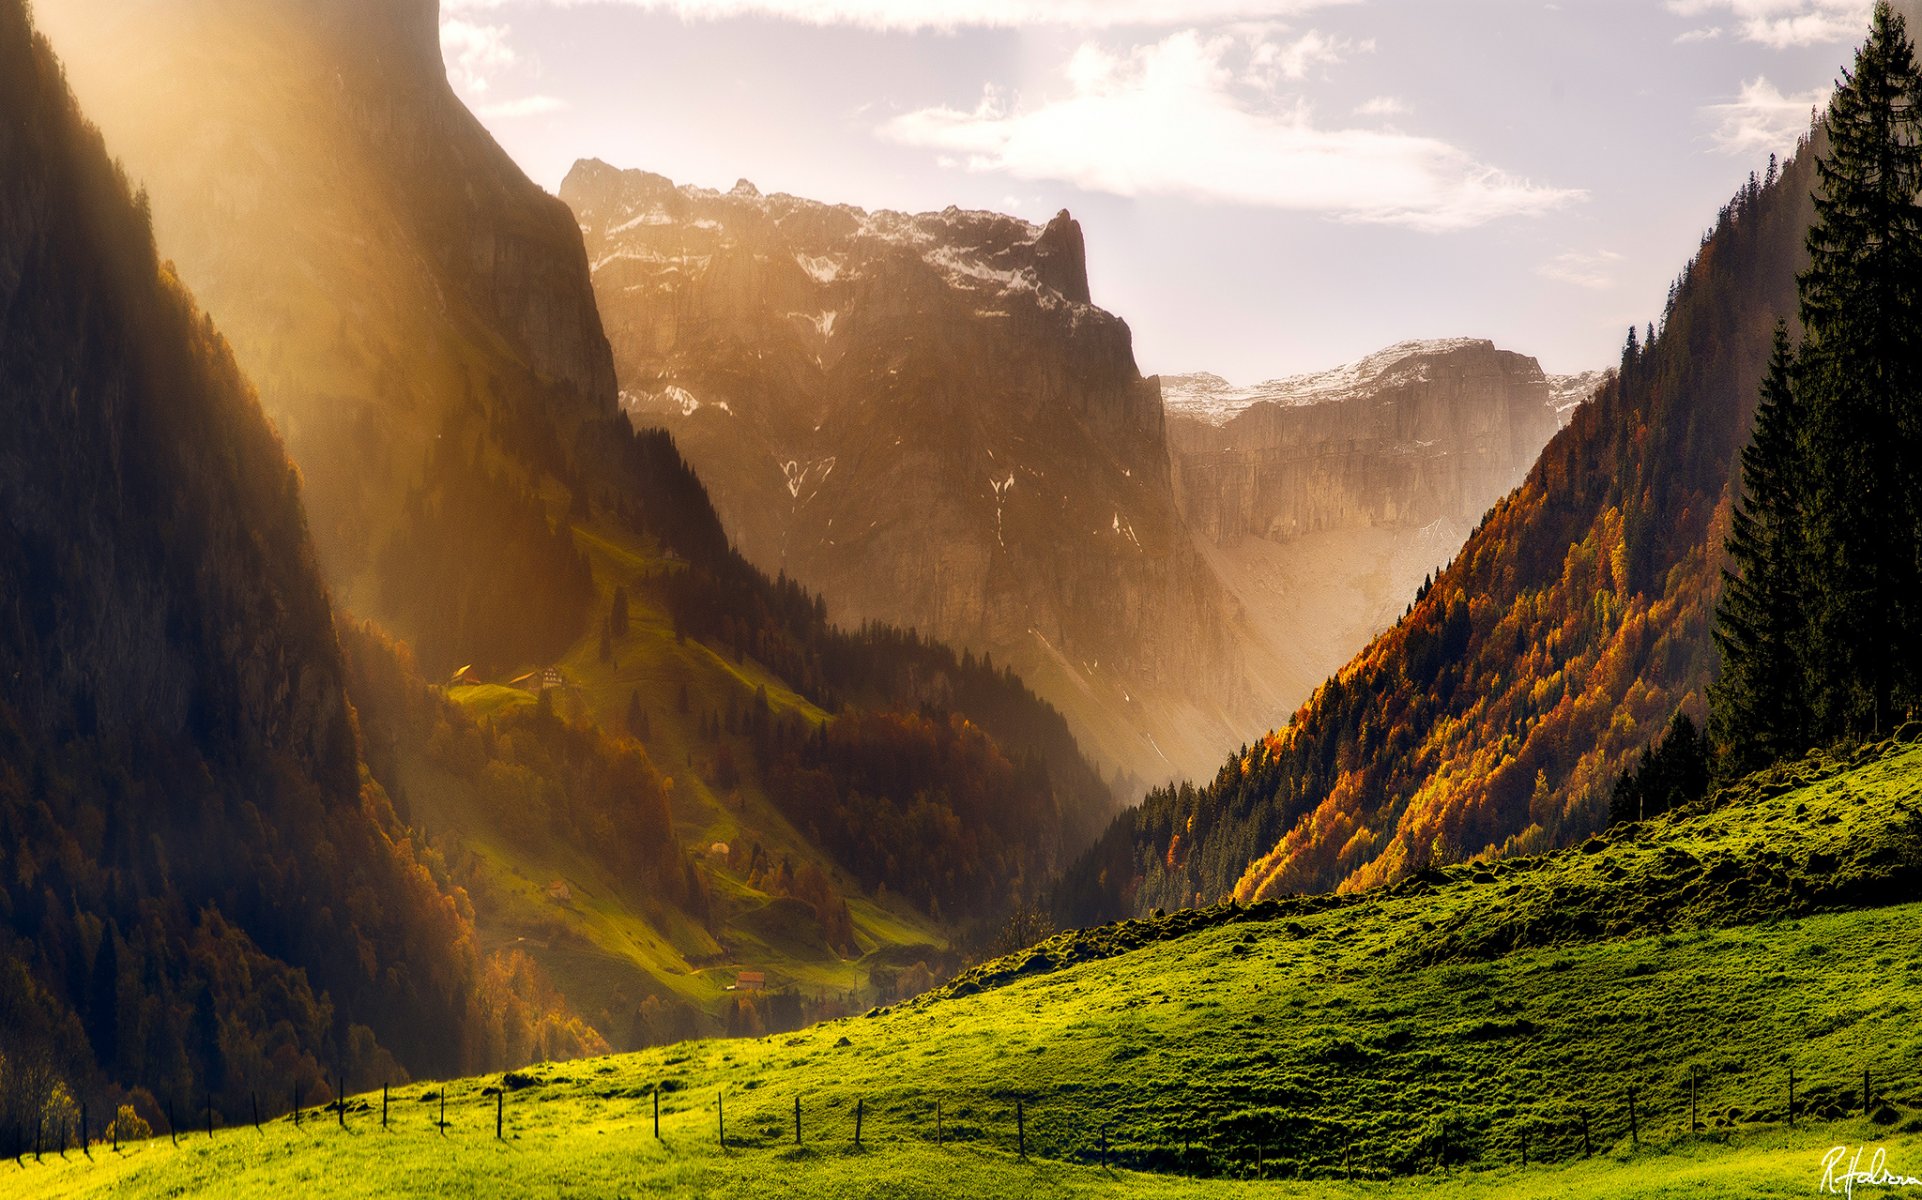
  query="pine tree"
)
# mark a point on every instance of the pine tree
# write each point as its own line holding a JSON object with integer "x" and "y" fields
{"x": 1820, "y": 623}
{"x": 1861, "y": 314}
{"x": 1759, "y": 707}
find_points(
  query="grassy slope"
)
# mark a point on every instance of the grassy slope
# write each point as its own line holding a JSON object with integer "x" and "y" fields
{"x": 595, "y": 944}
{"x": 1398, "y": 1026}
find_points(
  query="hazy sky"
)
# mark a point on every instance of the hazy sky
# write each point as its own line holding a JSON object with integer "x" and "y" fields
{"x": 1267, "y": 186}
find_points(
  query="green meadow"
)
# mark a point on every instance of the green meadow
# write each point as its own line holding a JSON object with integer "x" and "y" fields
{"x": 1421, "y": 1038}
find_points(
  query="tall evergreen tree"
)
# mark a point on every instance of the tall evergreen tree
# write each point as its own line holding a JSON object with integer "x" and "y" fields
{"x": 1820, "y": 623}
{"x": 1861, "y": 301}
{"x": 1759, "y": 707}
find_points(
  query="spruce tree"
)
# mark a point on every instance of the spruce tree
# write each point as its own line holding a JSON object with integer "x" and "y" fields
{"x": 1862, "y": 378}
{"x": 1759, "y": 707}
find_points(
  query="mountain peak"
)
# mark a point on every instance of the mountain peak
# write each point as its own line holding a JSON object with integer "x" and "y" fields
{"x": 1061, "y": 258}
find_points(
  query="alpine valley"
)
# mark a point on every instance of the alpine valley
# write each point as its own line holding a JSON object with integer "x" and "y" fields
{"x": 653, "y": 689}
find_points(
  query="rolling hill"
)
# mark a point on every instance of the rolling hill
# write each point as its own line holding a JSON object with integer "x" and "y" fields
{"x": 1618, "y": 1019}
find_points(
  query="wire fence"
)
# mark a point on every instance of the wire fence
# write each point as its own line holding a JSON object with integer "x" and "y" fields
{"x": 1167, "y": 1133}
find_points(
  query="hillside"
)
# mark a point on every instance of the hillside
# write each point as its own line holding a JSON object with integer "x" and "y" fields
{"x": 421, "y": 319}
{"x": 1555, "y": 645}
{"x": 200, "y": 890}
{"x": 927, "y": 419}
{"x": 1430, "y": 1037}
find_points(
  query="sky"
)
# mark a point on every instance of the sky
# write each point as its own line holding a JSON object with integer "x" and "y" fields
{"x": 1267, "y": 187}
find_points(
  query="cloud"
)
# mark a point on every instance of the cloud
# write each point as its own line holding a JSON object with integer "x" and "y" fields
{"x": 1763, "y": 117}
{"x": 1382, "y": 106}
{"x": 525, "y": 106}
{"x": 1698, "y": 35}
{"x": 1784, "y": 23}
{"x": 1178, "y": 118}
{"x": 474, "y": 52}
{"x": 911, "y": 15}
{"x": 1592, "y": 269}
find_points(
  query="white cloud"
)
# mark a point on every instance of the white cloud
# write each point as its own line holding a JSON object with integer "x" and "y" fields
{"x": 907, "y": 15}
{"x": 1592, "y": 269}
{"x": 1270, "y": 61}
{"x": 1382, "y": 106}
{"x": 474, "y": 52}
{"x": 1698, "y": 35}
{"x": 1763, "y": 117}
{"x": 525, "y": 106}
{"x": 1178, "y": 118}
{"x": 1784, "y": 23}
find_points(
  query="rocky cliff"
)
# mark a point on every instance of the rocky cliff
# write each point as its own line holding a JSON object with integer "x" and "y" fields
{"x": 1417, "y": 433}
{"x": 417, "y": 315}
{"x": 924, "y": 417}
{"x": 1322, "y": 501}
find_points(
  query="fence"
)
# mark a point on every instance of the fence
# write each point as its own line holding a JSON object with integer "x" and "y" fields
{"x": 1170, "y": 1134}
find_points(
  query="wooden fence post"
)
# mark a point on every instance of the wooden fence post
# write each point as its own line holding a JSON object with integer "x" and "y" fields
{"x": 657, "y": 1112}
{"x": 797, "y": 1119}
{"x": 720, "y": 1114}
{"x": 296, "y": 1104}
{"x": 1693, "y": 1124}
{"x": 500, "y": 1110}
{"x": 253, "y": 1098}
{"x": 210, "y": 1116}
{"x": 86, "y": 1146}
{"x": 340, "y": 1100}
{"x": 860, "y": 1106}
{"x": 1020, "y": 1130}
{"x": 383, "y": 1104}
{"x": 443, "y": 1110}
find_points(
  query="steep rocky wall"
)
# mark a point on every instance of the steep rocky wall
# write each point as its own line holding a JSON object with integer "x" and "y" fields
{"x": 1436, "y": 436}
{"x": 925, "y": 418}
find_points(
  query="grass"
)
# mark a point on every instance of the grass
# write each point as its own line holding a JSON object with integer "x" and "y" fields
{"x": 1412, "y": 1037}
{"x": 603, "y": 949}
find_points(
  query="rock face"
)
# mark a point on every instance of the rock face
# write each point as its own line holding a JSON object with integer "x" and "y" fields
{"x": 925, "y": 418}
{"x": 1323, "y": 500}
{"x": 416, "y": 314}
{"x": 1418, "y": 433}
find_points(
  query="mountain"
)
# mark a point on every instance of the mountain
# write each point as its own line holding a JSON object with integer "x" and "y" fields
{"x": 1212, "y": 400}
{"x": 415, "y": 314}
{"x": 1324, "y": 500}
{"x": 201, "y": 892}
{"x": 574, "y": 688}
{"x": 1559, "y": 641}
{"x": 928, "y": 420}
